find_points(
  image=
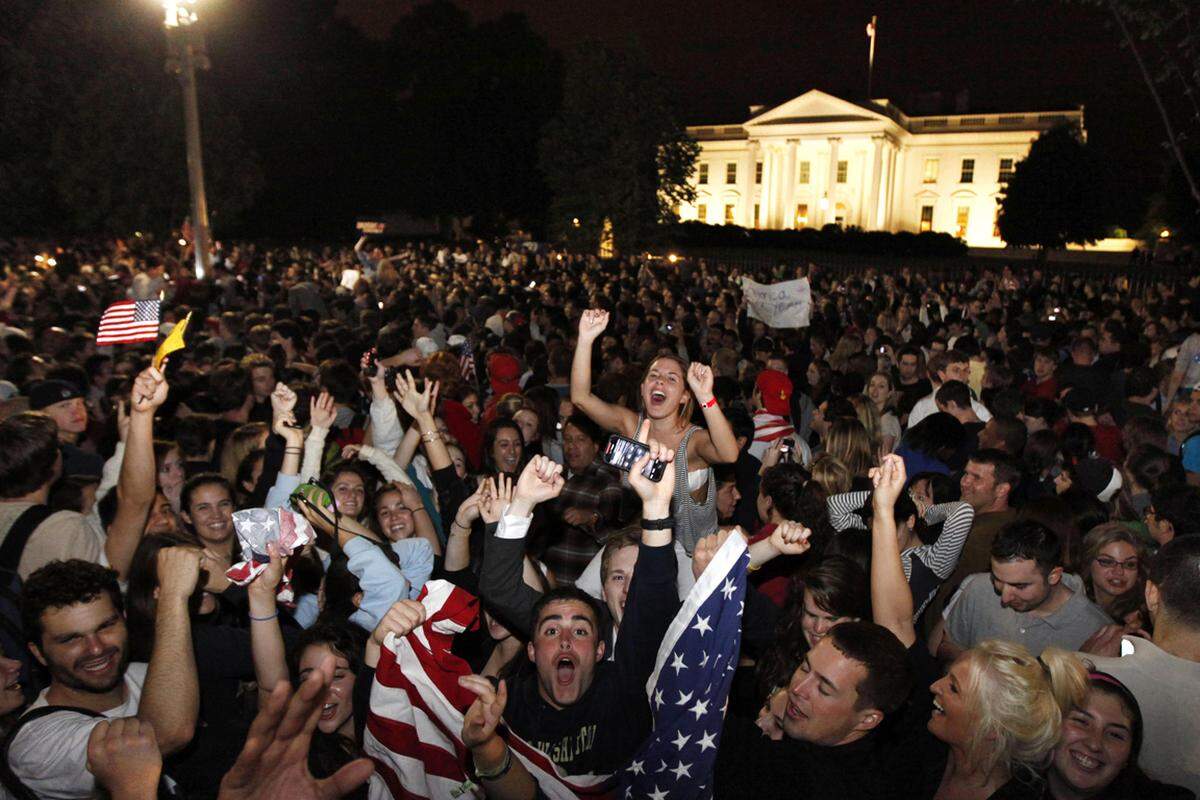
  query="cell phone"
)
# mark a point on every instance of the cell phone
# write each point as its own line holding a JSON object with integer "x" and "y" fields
{"x": 372, "y": 363}
{"x": 621, "y": 452}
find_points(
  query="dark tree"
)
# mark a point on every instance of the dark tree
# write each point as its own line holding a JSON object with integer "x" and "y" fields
{"x": 617, "y": 151}
{"x": 1059, "y": 194}
{"x": 471, "y": 101}
{"x": 91, "y": 125}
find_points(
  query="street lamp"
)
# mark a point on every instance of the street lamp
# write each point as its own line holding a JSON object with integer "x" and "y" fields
{"x": 187, "y": 53}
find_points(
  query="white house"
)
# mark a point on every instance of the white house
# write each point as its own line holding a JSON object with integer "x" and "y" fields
{"x": 819, "y": 159}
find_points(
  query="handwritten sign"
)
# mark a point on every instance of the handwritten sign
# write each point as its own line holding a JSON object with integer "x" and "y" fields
{"x": 780, "y": 305}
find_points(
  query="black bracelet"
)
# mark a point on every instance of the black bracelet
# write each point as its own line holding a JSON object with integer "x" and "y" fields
{"x": 664, "y": 524}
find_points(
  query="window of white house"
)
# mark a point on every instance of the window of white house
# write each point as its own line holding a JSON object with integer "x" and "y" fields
{"x": 758, "y": 172}
{"x": 731, "y": 172}
{"x": 843, "y": 168}
{"x": 1007, "y": 167}
{"x": 703, "y": 173}
{"x": 702, "y": 213}
{"x": 802, "y": 215}
{"x": 926, "y": 219}
{"x": 756, "y": 215}
{"x": 805, "y": 171}
{"x": 929, "y": 175}
{"x": 729, "y": 213}
{"x": 968, "y": 171}
{"x": 960, "y": 221}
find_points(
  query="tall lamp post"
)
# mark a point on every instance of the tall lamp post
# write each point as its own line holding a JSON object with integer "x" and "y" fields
{"x": 187, "y": 54}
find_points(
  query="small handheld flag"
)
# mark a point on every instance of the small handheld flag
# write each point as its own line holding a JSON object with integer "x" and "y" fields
{"x": 173, "y": 342}
{"x": 128, "y": 322}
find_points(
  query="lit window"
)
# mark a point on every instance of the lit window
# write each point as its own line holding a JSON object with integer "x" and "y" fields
{"x": 805, "y": 168}
{"x": 931, "y": 170}
{"x": 843, "y": 168}
{"x": 1006, "y": 170}
{"x": 675, "y": 211}
{"x": 729, "y": 213}
{"x": 703, "y": 174}
{"x": 702, "y": 213}
{"x": 926, "y": 218}
{"x": 756, "y": 214}
{"x": 839, "y": 214}
{"x": 996, "y": 223}
{"x": 802, "y": 215}
{"x": 731, "y": 172}
{"x": 960, "y": 221}
{"x": 968, "y": 171}
{"x": 758, "y": 172}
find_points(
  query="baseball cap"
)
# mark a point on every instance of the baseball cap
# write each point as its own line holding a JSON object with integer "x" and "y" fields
{"x": 47, "y": 393}
{"x": 776, "y": 389}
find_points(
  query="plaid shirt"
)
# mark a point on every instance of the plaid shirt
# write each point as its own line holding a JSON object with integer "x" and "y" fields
{"x": 596, "y": 489}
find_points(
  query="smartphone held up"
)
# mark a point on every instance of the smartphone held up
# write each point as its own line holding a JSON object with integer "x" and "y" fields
{"x": 621, "y": 452}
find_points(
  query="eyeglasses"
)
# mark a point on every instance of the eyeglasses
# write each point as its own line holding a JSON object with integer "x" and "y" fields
{"x": 1105, "y": 562}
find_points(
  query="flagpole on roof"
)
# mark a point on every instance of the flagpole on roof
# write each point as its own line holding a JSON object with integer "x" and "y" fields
{"x": 871, "y": 29}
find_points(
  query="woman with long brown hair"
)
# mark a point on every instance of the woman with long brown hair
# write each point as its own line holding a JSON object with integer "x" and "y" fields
{"x": 670, "y": 389}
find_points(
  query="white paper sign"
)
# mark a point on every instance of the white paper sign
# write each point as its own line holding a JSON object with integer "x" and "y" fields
{"x": 780, "y": 305}
{"x": 350, "y": 278}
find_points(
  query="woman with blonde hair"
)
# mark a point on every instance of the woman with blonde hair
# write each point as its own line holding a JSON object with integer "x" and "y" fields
{"x": 670, "y": 389}
{"x": 868, "y": 415}
{"x": 998, "y": 712}
{"x": 881, "y": 390}
{"x": 831, "y": 475}
{"x": 849, "y": 442}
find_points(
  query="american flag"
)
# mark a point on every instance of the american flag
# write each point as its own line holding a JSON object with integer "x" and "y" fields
{"x": 414, "y": 725}
{"x": 689, "y": 688}
{"x": 466, "y": 362}
{"x": 128, "y": 321}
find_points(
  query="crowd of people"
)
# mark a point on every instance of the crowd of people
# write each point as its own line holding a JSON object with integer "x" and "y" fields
{"x": 971, "y": 499}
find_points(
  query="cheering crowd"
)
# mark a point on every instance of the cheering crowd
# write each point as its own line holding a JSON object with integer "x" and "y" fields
{"x": 970, "y": 503}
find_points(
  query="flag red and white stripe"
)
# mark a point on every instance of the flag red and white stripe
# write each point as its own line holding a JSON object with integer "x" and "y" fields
{"x": 414, "y": 726}
{"x": 128, "y": 321}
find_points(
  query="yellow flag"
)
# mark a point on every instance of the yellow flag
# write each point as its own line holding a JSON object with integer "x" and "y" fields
{"x": 173, "y": 342}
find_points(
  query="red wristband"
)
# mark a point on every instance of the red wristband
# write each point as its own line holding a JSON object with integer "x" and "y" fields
{"x": 712, "y": 401}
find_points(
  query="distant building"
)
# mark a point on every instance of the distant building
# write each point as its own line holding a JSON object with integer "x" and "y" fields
{"x": 818, "y": 159}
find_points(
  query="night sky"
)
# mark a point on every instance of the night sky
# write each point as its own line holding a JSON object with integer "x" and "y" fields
{"x": 1030, "y": 55}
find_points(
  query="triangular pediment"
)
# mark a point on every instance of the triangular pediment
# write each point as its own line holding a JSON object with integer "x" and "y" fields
{"x": 814, "y": 106}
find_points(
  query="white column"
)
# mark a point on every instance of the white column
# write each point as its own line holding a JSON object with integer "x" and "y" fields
{"x": 768, "y": 186}
{"x": 829, "y": 213}
{"x": 875, "y": 219}
{"x": 895, "y": 187}
{"x": 788, "y": 204}
{"x": 746, "y": 185}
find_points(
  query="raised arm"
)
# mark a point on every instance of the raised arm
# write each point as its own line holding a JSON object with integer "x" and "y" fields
{"x": 891, "y": 598}
{"x": 266, "y": 638}
{"x": 717, "y": 444}
{"x": 322, "y": 415}
{"x": 942, "y": 555}
{"x": 171, "y": 695}
{"x": 421, "y": 405}
{"x": 137, "y": 484}
{"x": 606, "y": 415}
{"x": 844, "y": 510}
{"x": 503, "y": 777}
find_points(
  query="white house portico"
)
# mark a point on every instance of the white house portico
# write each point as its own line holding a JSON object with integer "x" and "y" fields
{"x": 817, "y": 159}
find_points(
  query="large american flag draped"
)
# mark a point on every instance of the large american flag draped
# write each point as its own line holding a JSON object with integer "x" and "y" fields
{"x": 414, "y": 726}
{"x": 128, "y": 321}
{"x": 689, "y": 687}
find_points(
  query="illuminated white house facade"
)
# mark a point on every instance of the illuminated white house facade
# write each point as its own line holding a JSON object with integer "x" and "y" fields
{"x": 818, "y": 159}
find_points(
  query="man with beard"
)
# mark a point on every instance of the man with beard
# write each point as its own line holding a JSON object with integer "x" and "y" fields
{"x": 74, "y": 617}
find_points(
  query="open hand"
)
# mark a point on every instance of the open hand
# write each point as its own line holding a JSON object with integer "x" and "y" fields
{"x": 274, "y": 761}
{"x": 322, "y": 412}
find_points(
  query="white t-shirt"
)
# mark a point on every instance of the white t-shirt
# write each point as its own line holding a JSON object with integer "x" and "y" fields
{"x": 49, "y": 754}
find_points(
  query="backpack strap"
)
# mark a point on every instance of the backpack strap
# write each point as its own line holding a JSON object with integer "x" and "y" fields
{"x": 9, "y": 778}
{"x": 18, "y": 535}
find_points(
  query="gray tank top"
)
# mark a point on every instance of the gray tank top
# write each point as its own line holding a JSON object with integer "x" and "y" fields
{"x": 693, "y": 521}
